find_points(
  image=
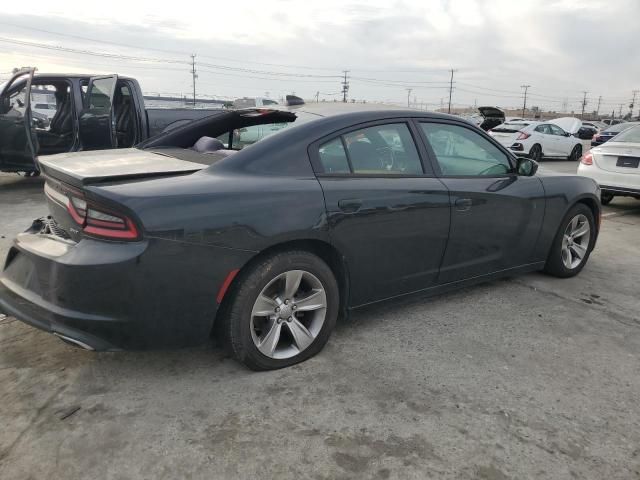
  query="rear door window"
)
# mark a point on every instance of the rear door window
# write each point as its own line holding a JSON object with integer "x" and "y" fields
{"x": 556, "y": 130}
{"x": 543, "y": 129}
{"x": 386, "y": 149}
{"x": 333, "y": 157}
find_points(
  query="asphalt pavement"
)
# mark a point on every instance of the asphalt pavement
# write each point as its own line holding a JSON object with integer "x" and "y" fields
{"x": 526, "y": 377}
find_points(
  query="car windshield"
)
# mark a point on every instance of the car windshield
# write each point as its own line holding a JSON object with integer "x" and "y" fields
{"x": 630, "y": 135}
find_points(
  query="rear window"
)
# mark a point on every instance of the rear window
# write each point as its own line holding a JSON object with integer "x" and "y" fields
{"x": 510, "y": 127}
{"x": 630, "y": 135}
{"x": 242, "y": 137}
{"x": 619, "y": 127}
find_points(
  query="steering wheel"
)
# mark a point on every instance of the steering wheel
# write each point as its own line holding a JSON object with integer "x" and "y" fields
{"x": 387, "y": 157}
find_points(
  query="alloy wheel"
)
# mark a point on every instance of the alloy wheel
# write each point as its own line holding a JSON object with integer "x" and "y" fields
{"x": 288, "y": 314}
{"x": 575, "y": 241}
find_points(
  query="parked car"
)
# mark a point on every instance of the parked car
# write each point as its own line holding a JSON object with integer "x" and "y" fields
{"x": 586, "y": 132}
{"x": 612, "y": 121}
{"x": 615, "y": 165}
{"x": 487, "y": 117}
{"x": 268, "y": 245}
{"x": 248, "y": 102}
{"x": 539, "y": 139}
{"x": 92, "y": 112}
{"x": 610, "y": 132}
{"x": 599, "y": 126}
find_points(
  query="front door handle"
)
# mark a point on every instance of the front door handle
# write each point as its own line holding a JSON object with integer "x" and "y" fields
{"x": 350, "y": 205}
{"x": 464, "y": 204}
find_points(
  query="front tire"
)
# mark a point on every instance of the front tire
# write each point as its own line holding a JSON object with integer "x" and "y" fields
{"x": 282, "y": 311}
{"x": 573, "y": 243}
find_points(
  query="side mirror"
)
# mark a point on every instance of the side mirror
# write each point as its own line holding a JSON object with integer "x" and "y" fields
{"x": 526, "y": 167}
{"x": 567, "y": 134}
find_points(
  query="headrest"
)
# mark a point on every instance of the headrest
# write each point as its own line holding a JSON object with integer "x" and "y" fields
{"x": 207, "y": 145}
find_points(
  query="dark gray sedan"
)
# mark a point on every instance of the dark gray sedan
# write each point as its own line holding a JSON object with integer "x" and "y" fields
{"x": 264, "y": 226}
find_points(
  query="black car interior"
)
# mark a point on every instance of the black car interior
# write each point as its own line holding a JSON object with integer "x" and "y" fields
{"x": 124, "y": 113}
{"x": 59, "y": 136}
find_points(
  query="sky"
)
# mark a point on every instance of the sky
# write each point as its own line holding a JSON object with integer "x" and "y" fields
{"x": 561, "y": 48}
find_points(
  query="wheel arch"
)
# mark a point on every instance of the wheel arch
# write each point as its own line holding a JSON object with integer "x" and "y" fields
{"x": 327, "y": 252}
{"x": 593, "y": 205}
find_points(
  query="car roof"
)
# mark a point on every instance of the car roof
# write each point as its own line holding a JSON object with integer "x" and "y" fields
{"x": 63, "y": 76}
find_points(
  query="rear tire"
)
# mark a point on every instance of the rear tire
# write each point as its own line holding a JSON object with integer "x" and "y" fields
{"x": 605, "y": 198}
{"x": 252, "y": 327}
{"x": 576, "y": 153}
{"x": 536, "y": 153}
{"x": 571, "y": 249}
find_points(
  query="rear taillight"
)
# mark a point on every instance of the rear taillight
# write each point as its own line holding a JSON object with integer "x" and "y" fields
{"x": 523, "y": 136}
{"x": 596, "y": 137}
{"x": 94, "y": 219}
{"x": 587, "y": 159}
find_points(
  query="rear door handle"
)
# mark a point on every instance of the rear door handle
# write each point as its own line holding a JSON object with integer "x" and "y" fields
{"x": 464, "y": 204}
{"x": 350, "y": 205}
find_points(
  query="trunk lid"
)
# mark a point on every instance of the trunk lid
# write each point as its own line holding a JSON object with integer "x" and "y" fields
{"x": 76, "y": 209}
{"x": 491, "y": 112}
{"x": 82, "y": 168}
{"x": 618, "y": 157}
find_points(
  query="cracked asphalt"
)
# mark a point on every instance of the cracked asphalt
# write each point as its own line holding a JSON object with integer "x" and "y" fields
{"x": 527, "y": 377}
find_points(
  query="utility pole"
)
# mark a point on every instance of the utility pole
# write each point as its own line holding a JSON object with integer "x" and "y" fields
{"x": 620, "y": 110}
{"x": 409, "y": 90}
{"x": 598, "y": 108}
{"x": 345, "y": 86}
{"x": 450, "y": 90}
{"x": 524, "y": 105}
{"x": 584, "y": 104}
{"x": 633, "y": 103}
{"x": 193, "y": 74}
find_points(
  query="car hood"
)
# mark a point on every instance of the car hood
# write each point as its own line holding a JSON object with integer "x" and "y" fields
{"x": 491, "y": 112}
{"x": 81, "y": 168}
{"x": 568, "y": 124}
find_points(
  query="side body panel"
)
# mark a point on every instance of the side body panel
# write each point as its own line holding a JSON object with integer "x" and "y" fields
{"x": 561, "y": 193}
{"x": 393, "y": 243}
{"x": 495, "y": 223}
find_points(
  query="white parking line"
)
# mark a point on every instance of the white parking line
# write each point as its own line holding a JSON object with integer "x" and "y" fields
{"x": 620, "y": 214}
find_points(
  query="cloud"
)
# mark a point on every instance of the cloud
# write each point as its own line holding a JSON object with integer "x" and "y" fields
{"x": 560, "y": 47}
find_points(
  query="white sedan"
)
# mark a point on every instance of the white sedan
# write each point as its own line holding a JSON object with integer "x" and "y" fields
{"x": 553, "y": 139}
{"x": 615, "y": 165}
